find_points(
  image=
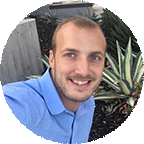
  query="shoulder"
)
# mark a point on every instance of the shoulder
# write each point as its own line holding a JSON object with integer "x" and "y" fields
{"x": 24, "y": 98}
{"x": 29, "y": 85}
{"x": 22, "y": 90}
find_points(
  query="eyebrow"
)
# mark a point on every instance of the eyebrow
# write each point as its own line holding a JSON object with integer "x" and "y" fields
{"x": 70, "y": 50}
{"x": 98, "y": 52}
{"x": 77, "y": 51}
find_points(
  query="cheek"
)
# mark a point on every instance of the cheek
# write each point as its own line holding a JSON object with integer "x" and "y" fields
{"x": 98, "y": 71}
{"x": 64, "y": 66}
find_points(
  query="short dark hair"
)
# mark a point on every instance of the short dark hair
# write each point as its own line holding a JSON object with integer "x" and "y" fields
{"x": 78, "y": 21}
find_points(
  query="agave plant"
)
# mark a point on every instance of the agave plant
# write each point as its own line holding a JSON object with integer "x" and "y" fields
{"x": 115, "y": 29}
{"x": 123, "y": 75}
{"x": 45, "y": 61}
{"x": 93, "y": 17}
{"x": 51, "y": 17}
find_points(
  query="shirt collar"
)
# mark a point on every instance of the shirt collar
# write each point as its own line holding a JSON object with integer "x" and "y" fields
{"x": 53, "y": 100}
{"x": 50, "y": 94}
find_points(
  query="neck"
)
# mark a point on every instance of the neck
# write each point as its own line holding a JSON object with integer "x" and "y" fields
{"x": 69, "y": 104}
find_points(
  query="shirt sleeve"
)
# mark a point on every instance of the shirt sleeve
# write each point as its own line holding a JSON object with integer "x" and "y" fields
{"x": 16, "y": 100}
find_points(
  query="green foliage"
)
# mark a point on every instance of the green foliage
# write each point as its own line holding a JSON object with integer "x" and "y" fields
{"x": 123, "y": 76}
{"x": 33, "y": 76}
{"x": 93, "y": 17}
{"x": 51, "y": 17}
{"x": 45, "y": 60}
{"x": 115, "y": 29}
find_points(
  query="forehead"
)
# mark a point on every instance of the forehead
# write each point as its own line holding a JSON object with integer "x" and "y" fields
{"x": 77, "y": 37}
{"x": 71, "y": 28}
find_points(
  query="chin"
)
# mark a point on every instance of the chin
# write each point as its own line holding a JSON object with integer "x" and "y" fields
{"x": 81, "y": 97}
{"x": 79, "y": 100}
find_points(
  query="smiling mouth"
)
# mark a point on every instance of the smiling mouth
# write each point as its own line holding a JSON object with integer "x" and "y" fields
{"x": 80, "y": 82}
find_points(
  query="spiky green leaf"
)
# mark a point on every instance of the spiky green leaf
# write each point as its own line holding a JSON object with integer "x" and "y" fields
{"x": 128, "y": 64}
{"x": 111, "y": 83}
{"x": 113, "y": 63}
{"x": 110, "y": 74}
{"x": 133, "y": 54}
{"x": 108, "y": 95}
{"x": 45, "y": 62}
{"x": 124, "y": 86}
{"x": 33, "y": 76}
{"x": 46, "y": 57}
{"x": 137, "y": 66}
{"x": 131, "y": 101}
{"x": 121, "y": 61}
{"x": 140, "y": 74}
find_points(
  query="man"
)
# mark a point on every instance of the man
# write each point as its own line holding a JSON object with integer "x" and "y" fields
{"x": 59, "y": 106}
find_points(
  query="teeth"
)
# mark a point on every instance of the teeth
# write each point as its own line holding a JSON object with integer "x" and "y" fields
{"x": 80, "y": 82}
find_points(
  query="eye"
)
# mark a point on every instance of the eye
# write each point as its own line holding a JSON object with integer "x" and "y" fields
{"x": 94, "y": 58}
{"x": 70, "y": 55}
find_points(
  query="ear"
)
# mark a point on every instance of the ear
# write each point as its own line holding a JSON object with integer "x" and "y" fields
{"x": 51, "y": 59}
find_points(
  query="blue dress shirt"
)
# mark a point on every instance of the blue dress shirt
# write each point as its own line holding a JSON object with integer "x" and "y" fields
{"x": 37, "y": 105}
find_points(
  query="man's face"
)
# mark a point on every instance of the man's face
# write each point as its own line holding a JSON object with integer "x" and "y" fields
{"x": 77, "y": 66}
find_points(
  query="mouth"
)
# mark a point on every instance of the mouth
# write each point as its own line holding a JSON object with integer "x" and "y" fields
{"x": 80, "y": 83}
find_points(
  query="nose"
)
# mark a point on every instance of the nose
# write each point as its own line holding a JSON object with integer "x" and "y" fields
{"x": 82, "y": 67}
